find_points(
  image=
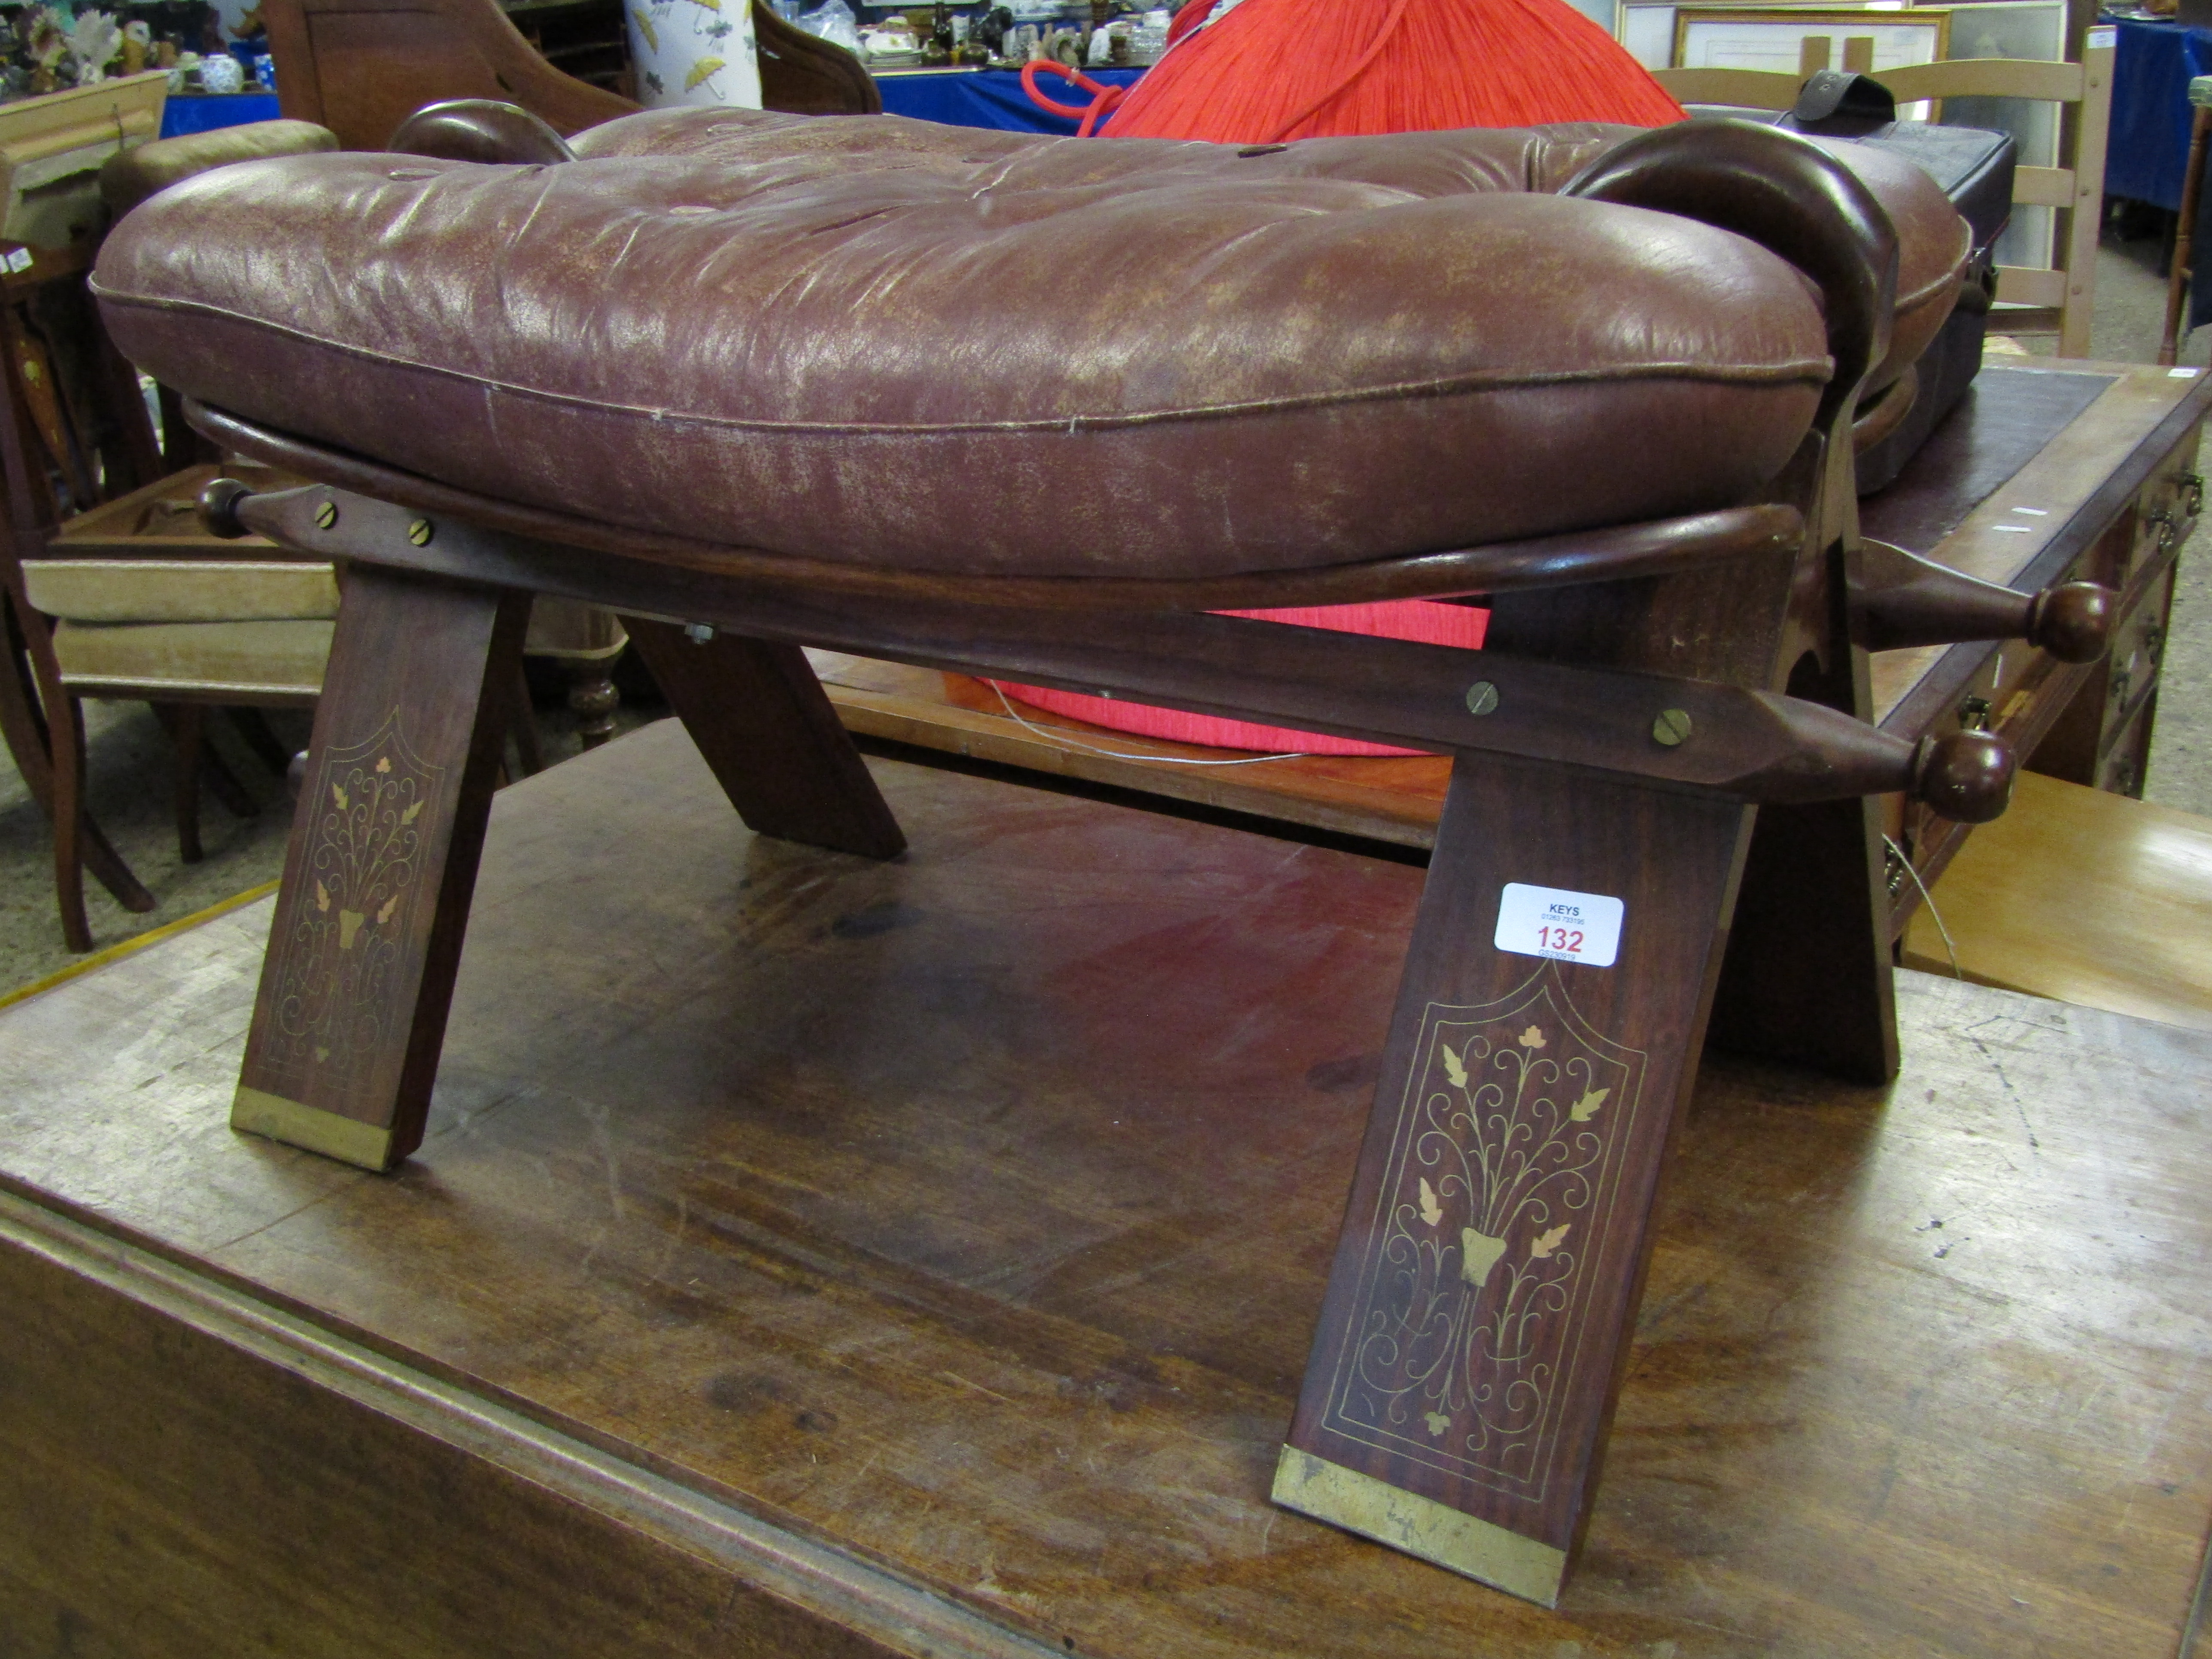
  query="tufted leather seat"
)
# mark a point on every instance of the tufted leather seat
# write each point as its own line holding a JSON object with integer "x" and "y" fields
{"x": 885, "y": 342}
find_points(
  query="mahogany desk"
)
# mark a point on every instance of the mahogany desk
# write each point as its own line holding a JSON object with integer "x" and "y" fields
{"x": 2048, "y": 472}
{"x": 815, "y": 1256}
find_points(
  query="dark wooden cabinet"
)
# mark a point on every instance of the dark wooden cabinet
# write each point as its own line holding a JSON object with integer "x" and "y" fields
{"x": 587, "y": 38}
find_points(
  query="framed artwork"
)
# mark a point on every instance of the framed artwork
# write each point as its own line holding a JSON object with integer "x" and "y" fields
{"x": 1646, "y": 27}
{"x": 2033, "y": 30}
{"x": 1801, "y": 40}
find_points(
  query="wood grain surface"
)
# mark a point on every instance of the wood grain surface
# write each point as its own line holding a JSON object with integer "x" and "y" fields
{"x": 953, "y": 1228}
{"x": 2129, "y": 929}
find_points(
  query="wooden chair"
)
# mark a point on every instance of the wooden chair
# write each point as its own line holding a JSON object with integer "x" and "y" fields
{"x": 184, "y": 634}
{"x": 2059, "y": 297}
{"x": 108, "y": 588}
{"x": 67, "y": 457}
{"x": 362, "y": 67}
{"x": 135, "y": 601}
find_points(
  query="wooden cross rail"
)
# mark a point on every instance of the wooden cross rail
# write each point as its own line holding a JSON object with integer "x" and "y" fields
{"x": 1746, "y": 744}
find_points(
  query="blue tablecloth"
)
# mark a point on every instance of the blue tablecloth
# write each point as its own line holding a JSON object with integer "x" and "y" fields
{"x": 185, "y": 113}
{"x": 2148, "y": 151}
{"x": 959, "y": 98}
{"x": 988, "y": 98}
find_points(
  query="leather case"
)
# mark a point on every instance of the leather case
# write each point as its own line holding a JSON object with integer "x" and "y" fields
{"x": 1975, "y": 169}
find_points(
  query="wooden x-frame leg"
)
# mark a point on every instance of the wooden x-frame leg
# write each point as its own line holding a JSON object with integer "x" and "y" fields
{"x": 375, "y": 903}
{"x": 1545, "y": 1040}
{"x": 391, "y": 818}
{"x": 1480, "y": 1306}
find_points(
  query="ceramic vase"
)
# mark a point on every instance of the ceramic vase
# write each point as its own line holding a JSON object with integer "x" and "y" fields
{"x": 694, "y": 51}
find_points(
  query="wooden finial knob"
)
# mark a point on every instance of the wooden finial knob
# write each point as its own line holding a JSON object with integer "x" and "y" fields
{"x": 1966, "y": 775}
{"x": 219, "y": 508}
{"x": 2073, "y": 622}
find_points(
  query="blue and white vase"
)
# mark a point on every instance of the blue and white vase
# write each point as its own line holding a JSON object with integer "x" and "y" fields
{"x": 694, "y": 51}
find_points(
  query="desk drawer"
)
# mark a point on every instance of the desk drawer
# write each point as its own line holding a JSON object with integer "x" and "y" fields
{"x": 2124, "y": 765}
{"x": 2166, "y": 507}
{"x": 2132, "y": 665}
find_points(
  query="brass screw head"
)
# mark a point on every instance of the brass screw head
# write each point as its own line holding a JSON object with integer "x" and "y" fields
{"x": 326, "y": 515}
{"x": 1672, "y": 728}
{"x": 1481, "y": 698}
{"x": 420, "y": 532}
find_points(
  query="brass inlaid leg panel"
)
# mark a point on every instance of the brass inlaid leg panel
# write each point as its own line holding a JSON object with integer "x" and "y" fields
{"x": 1486, "y": 1281}
{"x": 367, "y": 929}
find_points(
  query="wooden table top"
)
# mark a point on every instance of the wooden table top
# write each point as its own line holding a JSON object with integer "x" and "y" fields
{"x": 938, "y": 1243}
{"x": 2127, "y": 927}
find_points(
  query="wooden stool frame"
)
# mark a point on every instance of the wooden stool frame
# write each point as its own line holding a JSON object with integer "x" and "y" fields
{"x": 1644, "y": 692}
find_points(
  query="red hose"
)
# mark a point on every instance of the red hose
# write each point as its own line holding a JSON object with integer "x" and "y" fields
{"x": 1103, "y": 100}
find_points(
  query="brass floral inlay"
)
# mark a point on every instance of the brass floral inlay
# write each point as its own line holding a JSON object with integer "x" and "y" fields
{"x": 366, "y": 851}
{"x": 1494, "y": 1200}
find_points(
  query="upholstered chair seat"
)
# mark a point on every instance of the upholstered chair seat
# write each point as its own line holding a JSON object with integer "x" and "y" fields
{"x": 876, "y": 342}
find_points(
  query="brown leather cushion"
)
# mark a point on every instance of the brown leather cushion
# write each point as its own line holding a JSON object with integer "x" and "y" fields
{"x": 887, "y": 342}
{"x": 130, "y": 176}
{"x": 1934, "y": 242}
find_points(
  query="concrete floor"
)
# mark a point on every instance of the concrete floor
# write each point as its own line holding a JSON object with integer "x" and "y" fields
{"x": 129, "y": 780}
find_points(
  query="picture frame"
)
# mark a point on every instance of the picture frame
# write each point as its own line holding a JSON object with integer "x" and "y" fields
{"x": 1803, "y": 39}
{"x": 1646, "y": 27}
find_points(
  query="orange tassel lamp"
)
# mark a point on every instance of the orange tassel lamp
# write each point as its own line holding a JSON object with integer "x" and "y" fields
{"x": 1271, "y": 71}
{"x": 1267, "y": 71}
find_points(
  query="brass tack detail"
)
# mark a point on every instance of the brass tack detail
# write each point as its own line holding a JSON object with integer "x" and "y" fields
{"x": 1672, "y": 728}
{"x": 420, "y": 532}
{"x": 1481, "y": 698}
{"x": 326, "y": 515}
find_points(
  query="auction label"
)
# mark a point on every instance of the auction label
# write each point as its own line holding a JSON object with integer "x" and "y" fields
{"x": 1551, "y": 921}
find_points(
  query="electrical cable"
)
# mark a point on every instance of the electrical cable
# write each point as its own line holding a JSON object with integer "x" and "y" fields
{"x": 1926, "y": 898}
